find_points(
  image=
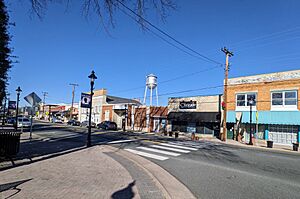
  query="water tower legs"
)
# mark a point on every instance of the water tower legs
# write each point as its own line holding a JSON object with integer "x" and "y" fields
{"x": 145, "y": 95}
{"x": 156, "y": 96}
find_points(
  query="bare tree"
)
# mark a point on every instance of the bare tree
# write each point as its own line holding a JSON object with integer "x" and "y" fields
{"x": 105, "y": 9}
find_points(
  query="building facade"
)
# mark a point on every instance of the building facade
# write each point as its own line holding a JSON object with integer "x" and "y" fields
{"x": 107, "y": 108}
{"x": 200, "y": 114}
{"x": 148, "y": 118}
{"x": 275, "y": 111}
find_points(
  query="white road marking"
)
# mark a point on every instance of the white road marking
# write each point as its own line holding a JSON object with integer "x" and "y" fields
{"x": 121, "y": 141}
{"x": 170, "y": 149}
{"x": 159, "y": 151}
{"x": 149, "y": 155}
{"x": 180, "y": 147}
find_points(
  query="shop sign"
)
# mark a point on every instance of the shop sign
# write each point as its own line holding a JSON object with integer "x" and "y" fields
{"x": 187, "y": 105}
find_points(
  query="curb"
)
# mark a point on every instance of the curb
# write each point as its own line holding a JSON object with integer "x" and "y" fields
{"x": 167, "y": 183}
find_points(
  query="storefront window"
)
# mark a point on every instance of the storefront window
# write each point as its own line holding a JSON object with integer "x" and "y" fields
{"x": 282, "y": 100}
{"x": 243, "y": 100}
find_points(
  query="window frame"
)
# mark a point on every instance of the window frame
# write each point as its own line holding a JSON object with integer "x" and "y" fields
{"x": 284, "y": 107}
{"x": 246, "y": 107}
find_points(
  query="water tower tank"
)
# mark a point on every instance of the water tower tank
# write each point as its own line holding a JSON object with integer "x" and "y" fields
{"x": 151, "y": 81}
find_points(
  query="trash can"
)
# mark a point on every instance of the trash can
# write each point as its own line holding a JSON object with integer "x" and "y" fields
{"x": 170, "y": 134}
{"x": 9, "y": 143}
{"x": 176, "y": 134}
{"x": 269, "y": 144}
{"x": 295, "y": 146}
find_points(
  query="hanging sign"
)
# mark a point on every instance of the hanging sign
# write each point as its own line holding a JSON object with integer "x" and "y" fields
{"x": 12, "y": 105}
{"x": 85, "y": 100}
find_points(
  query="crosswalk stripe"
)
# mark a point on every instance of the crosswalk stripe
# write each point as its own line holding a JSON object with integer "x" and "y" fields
{"x": 149, "y": 155}
{"x": 159, "y": 151}
{"x": 179, "y": 147}
{"x": 121, "y": 141}
{"x": 188, "y": 144}
{"x": 170, "y": 149}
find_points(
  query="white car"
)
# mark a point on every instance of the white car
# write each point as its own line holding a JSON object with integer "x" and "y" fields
{"x": 24, "y": 122}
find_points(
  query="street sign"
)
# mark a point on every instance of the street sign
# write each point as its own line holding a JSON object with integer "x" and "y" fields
{"x": 85, "y": 100}
{"x": 33, "y": 99}
{"x": 12, "y": 105}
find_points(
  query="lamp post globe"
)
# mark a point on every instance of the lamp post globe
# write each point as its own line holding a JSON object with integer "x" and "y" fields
{"x": 18, "y": 90}
{"x": 251, "y": 103}
{"x": 92, "y": 77}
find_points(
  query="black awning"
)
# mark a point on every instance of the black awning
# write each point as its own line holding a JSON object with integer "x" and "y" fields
{"x": 195, "y": 116}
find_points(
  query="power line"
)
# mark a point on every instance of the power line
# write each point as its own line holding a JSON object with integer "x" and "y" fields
{"x": 188, "y": 74}
{"x": 157, "y": 35}
{"x": 276, "y": 34}
{"x": 205, "y": 58}
{"x": 185, "y": 91}
{"x": 266, "y": 44}
{"x": 173, "y": 79}
{"x": 243, "y": 43}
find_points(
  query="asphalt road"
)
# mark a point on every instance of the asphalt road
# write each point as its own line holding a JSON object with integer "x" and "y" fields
{"x": 210, "y": 170}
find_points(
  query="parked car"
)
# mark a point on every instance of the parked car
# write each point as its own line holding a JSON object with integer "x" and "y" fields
{"x": 10, "y": 120}
{"x": 24, "y": 122}
{"x": 73, "y": 123}
{"x": 107, "y": 125}
{"x": 57, "y": 120}
{"x": 86, "y": 124}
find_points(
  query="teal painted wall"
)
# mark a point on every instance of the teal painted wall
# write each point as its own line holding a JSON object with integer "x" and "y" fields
{"x": 267, "y": 117}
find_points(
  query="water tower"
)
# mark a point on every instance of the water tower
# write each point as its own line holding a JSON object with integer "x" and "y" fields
{"x": 151, "y": 84}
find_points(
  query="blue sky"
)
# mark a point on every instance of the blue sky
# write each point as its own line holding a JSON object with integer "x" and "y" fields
{"x": 64, "y": 47}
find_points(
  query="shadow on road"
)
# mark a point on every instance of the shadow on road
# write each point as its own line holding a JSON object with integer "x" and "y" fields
{"x": 126, "y": 193}
{"x": 13, "y": 186}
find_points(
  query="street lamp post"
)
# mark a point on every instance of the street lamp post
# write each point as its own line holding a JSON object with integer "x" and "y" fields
{"x": 92, "y": 77}
{"x": 251, "y": 102}
{"x": 18, "y": 90}
{"x": 125, "y": 118}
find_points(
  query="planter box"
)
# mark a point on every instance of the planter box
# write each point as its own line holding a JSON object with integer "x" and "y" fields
{"x": 269, "y": 144}
{"x": 295, "y": 146}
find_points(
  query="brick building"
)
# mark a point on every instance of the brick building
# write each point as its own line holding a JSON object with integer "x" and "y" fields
{"x": 107, "y": 108}
{"x": 198, "y": 114}
{"x": 276, "y": 111}
{"x": 148, "y": 118}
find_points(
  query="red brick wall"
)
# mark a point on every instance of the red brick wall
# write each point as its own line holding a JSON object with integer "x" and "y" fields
{"x": 107, "y": 108}
{"x": 263, "y": 90}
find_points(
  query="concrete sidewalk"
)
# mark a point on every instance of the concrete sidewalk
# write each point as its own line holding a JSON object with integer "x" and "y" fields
{"x": 96, "y": 172}
{"x": 262, "y": 144}
{"x": 88, "y": 173}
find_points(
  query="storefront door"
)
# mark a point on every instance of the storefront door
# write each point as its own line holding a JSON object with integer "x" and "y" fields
{"x": 156, "y": 125}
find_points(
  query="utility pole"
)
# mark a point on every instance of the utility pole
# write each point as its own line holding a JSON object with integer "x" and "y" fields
{"x": 228, "y": 54}
{"x": 73, "y": 95}
{"x": 44, "y": 101}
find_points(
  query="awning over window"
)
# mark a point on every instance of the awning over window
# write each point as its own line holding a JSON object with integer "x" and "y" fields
{"x": 194, "y": 116}
{"x": 265, "y": 117}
